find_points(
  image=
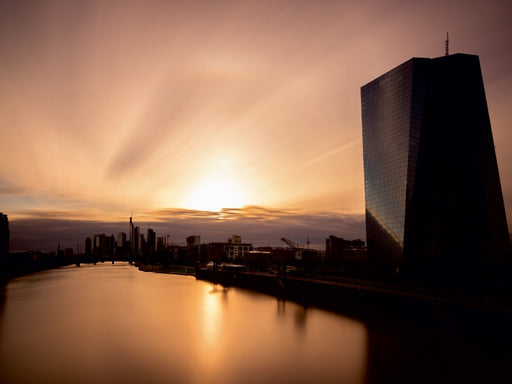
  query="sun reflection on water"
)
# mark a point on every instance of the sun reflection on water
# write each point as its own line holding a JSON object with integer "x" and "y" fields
{"x": 212, "y": 315}
{"x": 211, "y": 351}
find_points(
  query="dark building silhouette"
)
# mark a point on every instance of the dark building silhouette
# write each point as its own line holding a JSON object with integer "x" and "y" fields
{"x": 121, "y": 240}
{"x": 141, "y": 241}
{"x": 132, "y": 236}
{"x": 88, "y": 245}
{"x": 232, "y": 249}
{"x": 137, "y": 243}
{"x": 339, "y": 251}
{"x": 151, "y": 241}
{"x": 193, "y": 248}
{"x": 100, "y": 245}
{"x": 434, "y": 206}
{"x": 121, "y": 244}
{"x": 161, "y": 244}
{"x": 4, "y": 235}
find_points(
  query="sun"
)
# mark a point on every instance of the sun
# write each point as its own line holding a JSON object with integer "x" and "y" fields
{"x": 215, "y": 194}
{"x": 221, "y": 181}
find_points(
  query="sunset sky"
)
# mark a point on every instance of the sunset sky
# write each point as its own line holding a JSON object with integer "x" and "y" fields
{"x": 178, "y": 110}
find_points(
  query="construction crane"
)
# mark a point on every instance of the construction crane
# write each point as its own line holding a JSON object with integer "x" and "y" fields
{"x": 294, "y": 245}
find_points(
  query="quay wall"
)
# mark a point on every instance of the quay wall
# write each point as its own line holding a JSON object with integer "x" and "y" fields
{"x": 371, "y": 302}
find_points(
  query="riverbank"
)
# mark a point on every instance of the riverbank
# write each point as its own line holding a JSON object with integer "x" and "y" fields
{"x": 361, "y": 299}
{"x": 375, "y": 301}
{"x": 172, "y": 269}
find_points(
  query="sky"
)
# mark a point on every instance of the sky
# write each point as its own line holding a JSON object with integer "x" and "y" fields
{"x": 213, "y": 117}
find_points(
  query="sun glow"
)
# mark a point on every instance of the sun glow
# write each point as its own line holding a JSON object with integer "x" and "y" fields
{"x": 215, "y": 194}
{"x": 222, "y": 182}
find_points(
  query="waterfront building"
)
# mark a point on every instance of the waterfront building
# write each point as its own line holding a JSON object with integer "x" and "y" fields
{"x": 434, "y": 206}
{"x": 4, "y": 235}
{"x": 237, "y": 250}
{"x": 193, "y": 240}
{"x": 229, "y": 249}
{"x": 161, "y": 243}
{"x": 341, "y": 251}
{"x": 193, "y": 249}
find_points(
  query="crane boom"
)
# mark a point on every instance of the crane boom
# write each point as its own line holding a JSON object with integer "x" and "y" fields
{"x": 291, "y": 244}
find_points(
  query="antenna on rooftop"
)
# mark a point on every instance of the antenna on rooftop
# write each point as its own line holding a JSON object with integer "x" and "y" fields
{"x": 446, "y": 45}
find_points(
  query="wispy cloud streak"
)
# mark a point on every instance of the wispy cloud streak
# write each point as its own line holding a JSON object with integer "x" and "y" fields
{"x": 326, "y": 155}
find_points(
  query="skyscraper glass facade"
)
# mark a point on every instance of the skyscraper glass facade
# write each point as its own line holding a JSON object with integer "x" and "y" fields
{"x": 432, "y": 190}
{"x": 4, "y": 235}
{"x": 386, "y": 110}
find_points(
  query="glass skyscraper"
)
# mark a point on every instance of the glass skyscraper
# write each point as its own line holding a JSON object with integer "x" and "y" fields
{"x": 434, "y": 206}
{"x": 4, "y": 235}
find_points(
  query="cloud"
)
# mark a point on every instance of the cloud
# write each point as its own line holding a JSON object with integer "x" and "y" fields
{"x": 333, "y": 152}
{"x": 258, "y": 225}
{"x": 10, "y": 189}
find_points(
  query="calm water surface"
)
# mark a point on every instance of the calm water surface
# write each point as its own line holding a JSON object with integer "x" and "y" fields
{"x": 114, "y": 324}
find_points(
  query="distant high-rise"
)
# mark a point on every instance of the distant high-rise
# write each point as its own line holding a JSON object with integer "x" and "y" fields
{"x": 88, "y": 246}
{"x": 132, "y": 235}
{"x": 434, "y": 206}
{"x": 121, "y": 240}
{"x": 138, "y": 240}
{"x": 151, "y": 241}
{"x": 4, "y": 234}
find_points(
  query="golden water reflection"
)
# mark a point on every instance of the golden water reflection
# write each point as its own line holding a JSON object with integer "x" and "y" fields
{"x": 247, "y": 338}
{"x": 113, "y": 323}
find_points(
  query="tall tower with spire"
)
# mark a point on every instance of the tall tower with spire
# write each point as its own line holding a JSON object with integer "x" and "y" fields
{"x": 131, "y": 234}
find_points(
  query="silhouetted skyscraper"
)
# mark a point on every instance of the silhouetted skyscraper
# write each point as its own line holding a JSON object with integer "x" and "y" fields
{"x": 132, "y": 236}
{"x": 151, "y": 241}
{"x": 434, "y": 206}
{"x": 4, "y": 234}
{"x": 88, "y": 245}
{"x": 121, "y": 240}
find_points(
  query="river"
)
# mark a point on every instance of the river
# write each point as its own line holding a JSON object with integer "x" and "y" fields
{"x": 109, "y": 323}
